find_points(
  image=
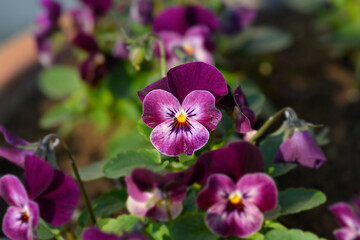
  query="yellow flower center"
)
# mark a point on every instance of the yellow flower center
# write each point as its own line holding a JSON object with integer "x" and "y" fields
{"x": 188, "y": 49}
{"x": 25, "y": 216}
{"x": 182, "y": 118}
{"x": 235, "y": 201}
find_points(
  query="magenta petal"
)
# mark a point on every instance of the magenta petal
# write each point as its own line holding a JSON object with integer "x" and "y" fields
{"x": 201, "y": 105}
{"x": 15, "y": 155}
{"x": 99, "y": 7}
{"x": 34, "y": 214}
{"x": 86, "y": 42}
{"x": 38, "y": 175}
{"x": 258, "y": 189}
{"x": 170, "y": 39}
{"x": 136, "y": 208}
{"x": 234, "y": 160}
{"x": 346, "y": 234}
{"x": 301, "y": 148}
{"x": 160, "y": 84}
{"x": 12, "y": 138}
{"x": 218, "y": 188}
{"x": 93, "y": 233}
{"x": 179, "y": 19}
{"x": 245, "y": 119}
{"x": 58, "y": 202}
{"x": 173, "y": 143}
{"x": 15, "y": 229}
{"x": 345, "y": 215}
{"x": 134, "y": 191}
{"x": 246, "y": 222}
{"x": 215, "y": 219}
{"x": 188, "y": 77}
{"x": 158, "y": 105}
{"x": 12, "y": 191}
{"x": 159, "y": 212}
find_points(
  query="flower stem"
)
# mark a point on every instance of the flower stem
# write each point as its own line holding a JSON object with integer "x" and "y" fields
{"x": 268, "y": 123}
{"x": 68, "y": 233}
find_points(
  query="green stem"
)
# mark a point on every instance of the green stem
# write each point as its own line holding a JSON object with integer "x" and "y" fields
{"x": 268, "y": 123}
{"x": 68, "y": 233}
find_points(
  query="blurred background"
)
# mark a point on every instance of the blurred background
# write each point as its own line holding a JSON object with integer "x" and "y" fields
{"x": 316, "y": 75}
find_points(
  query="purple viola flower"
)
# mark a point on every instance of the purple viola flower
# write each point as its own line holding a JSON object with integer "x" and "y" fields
{"x": 245, "y": 117}
{"x": 93, "y": 68}
{"x": 301, "y": 148}
{"x": 193, "y": 45}
{"x": 22, "y": 217}
{"x": 120, "y": 50}
{"x": 235, "y": 160}
{"x": 156, "y": 196}
{"x": 183, "y": 79}
{"x": 99, "y": 7}
{"x": 179, "y": 19}
{"x": 93, "y": 233}
{"x": 236, "y": 19}
{"x": 236, "y": 208}
{"x": 180, "y": 127}
{"x": 142, "y": 11}
{"x": 17, "y": 154}
{"x": 84, "y": 19}
{"x": 46, "y": 24}
{"x": 348, "y": 221}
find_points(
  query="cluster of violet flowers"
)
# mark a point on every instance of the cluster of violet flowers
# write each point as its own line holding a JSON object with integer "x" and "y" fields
{"x": 184, "y": 109}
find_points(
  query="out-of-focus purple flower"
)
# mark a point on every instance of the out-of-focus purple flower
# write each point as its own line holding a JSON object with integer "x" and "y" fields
{"x": 348, "y": 221}
{"x": 301, "y": 148}
{"x": 22, "y": 217}
{"x": 15, "y": 155}
{"x": 180, "y": 128}
{"x": 93, "y": 233}
{"x": 183, "y": 79}
{"x": 84, "y": 19}
{"x": 49, "y": 193}
{"x": 56, "y": 193}
{"x": 46, "y": 24}
{"x": 93, "y": 68}
{"x": 142, "y": 11}
{"x": 236, "y": 208}
{"x": 193, "y": 45}
{"x": 236, "y": 19}
{"x": 235, "y": 160}
{"x": 120, "y": 50}
{"x": 179, "y": 19}
{"x": 156, "y": 196}
{"x": 98, "y": 7}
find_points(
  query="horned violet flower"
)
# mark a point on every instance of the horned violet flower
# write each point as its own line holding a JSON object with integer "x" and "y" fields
{"x": 299, "y": 145}
{"x": 142, "y": 11}
{"x": 348, "y": 221}
{"x": 22, "y": 217}
{"x": 236, "y": 208}
{"x": 156, "y": 196}
{"x": 234, "y": 160}
{"x": 236, "y": 19}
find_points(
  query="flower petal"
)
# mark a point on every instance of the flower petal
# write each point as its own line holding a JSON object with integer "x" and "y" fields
{"x": 38, "y": 175}
{"x": 259, "y": 189}
{"x": 200, "y": 106}
{"x": 12, "y": 191}
{"x": 170, "y": 40}
{"x": 58, "y": 202}
{"x": 245, "y": 119}
{"x": 159, "y": 106}
{"x": 346, "y": 234}
{"x": 188, "y": 77}
{"x": 345, "y": 215}
{"x": 93, "y": 233}
{"x": 34, "y": 214}
{"x": 12, "y": 138}
{"x": 13, "y": 227}
{"x": 136, "y": 208}
{"x": 246, "y": 222}
{"x": 218, "y": 188}
{"x": 15, "y": 155}
{"x": 179, "y": 19}
{"x": 234, "y": 160}
{"x": 172, "y": 142}
{"x": 160, "y": 84}
{"x": 86, "y": 42}
{"x": 301, "y": 148}
{"x": 159, "y": 211}
{"x": 215, "y": 219}
{"x": 139, "y": 186}
{"x": 99, "y": 7}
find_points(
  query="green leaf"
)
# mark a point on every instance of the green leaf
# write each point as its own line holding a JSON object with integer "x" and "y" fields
{"x": 125, "y": 162}
{"x": 144, "y": 129}
{"x": 269, "y": 148}
{"x": 93, "y": 171}
{"x": 295, "y": 200}
{"x": 189, "y": 203}
{"x": 107, "y": 204}
{"x": 292, "y": 234}
{"x": 45, "y": 231}
{"x": 57, "y": 115}
{"x": 59, "y": 81}
{"x": 158, "y": 231}
{"x": 191, "y": 226}
{"x": 124, "y": 223}
{"x": 273, "y": 213}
